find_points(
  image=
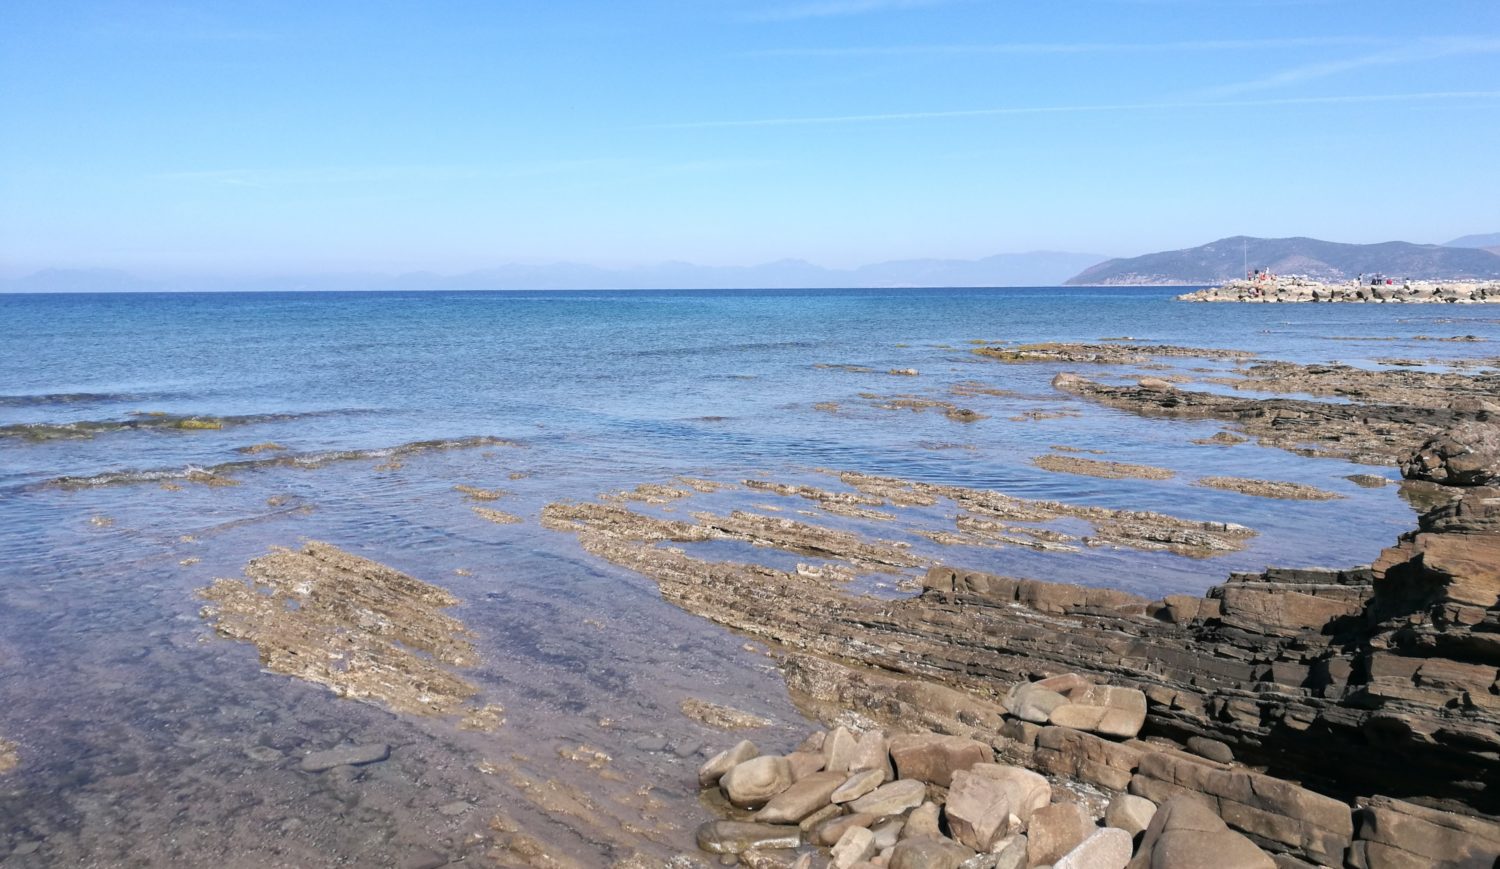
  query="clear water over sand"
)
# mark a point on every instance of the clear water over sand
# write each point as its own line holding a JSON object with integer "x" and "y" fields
{"x": 144, "y": 739}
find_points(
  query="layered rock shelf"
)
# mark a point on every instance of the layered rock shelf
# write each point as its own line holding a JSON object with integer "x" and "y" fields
{"x": 1291, "y": 718}
{"x": 1299, "y": 289}
{"x": 1288, "y": 718}
{"x": 1328, "y": 717}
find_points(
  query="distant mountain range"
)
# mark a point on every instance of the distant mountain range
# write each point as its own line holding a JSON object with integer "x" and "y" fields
{"x": 1473, "y": 256}
{"x": 1487, "y": 241}
{"x": 1326, "y": 260}
{"x": 1036, "y": 269}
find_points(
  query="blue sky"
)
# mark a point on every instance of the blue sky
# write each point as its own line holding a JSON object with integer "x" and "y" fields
{"x": 259, "y": 137}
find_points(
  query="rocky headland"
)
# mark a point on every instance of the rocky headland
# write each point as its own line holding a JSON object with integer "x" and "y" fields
{"x": 1301, "y": 289}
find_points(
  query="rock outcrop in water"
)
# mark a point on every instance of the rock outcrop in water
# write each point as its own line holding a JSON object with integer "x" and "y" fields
{"x": 363, "y": 629}
{"x": 1377, "y": 434}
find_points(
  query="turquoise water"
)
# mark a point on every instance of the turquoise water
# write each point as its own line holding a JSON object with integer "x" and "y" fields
{"x": 135, "y": 723}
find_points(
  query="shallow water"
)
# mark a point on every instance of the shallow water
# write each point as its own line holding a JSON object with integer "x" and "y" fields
{"x": 146, "y": 740}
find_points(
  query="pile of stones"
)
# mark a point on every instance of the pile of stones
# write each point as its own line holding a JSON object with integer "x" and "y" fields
{"x": 1109, "y": 800}
{"x": 932, "y": 801}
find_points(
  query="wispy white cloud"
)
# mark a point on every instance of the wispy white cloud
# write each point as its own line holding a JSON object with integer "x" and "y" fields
{"x": 599, "y": 168}
{"x": 836, "y": 8}
{"x": 1417, "y": 51}
{"x": 1046, "y": 48}
{"x": 336, "y": 175}
{"x": 1429, "y": 96}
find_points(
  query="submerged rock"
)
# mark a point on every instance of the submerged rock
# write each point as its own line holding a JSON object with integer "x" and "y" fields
{"x": 364, "y": 630}
{"x": 722, "y": 717}
{"x": 736, "y": 837}
{"x": 1097, "y": 468}
{"x": 1267, "y": 488}
{"x": 346, "y": 755}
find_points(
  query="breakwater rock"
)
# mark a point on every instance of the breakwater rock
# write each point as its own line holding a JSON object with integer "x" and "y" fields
{"x": 1299, "y": 289}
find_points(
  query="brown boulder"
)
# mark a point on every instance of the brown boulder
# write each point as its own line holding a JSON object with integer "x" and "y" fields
{"x": 831, "y": 831}
{"x": 927, "y": 853}
{"x": 1086, "y": 757}
{"x": 1024, "y": 790}
{"x": 1103, "y": 709}
{"x": 1130, "y": 813}
{"x": 724, "y": 761}
{"x": 1187, "y": 834}
{"x": 801, "y": 799}
{"x": 934, "y": 758}
{"x": 754, "y": 782}
{"x": 856, "y": 785}
{"x": 892, "y": 799}
{"x": 1108, "y": 848}
{"x": 978, "y": 810}
{"x": 838, "y": 750}
{"x": 1054, "y": 831}
{"x": 735, "y": 837}
{"x": 1282, "y": 815}
{"x": 873, "y": 752}
{"x": 805, "y": 763}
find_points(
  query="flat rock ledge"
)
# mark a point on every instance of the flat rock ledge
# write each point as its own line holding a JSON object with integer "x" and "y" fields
{"x": 1297, "y": 289}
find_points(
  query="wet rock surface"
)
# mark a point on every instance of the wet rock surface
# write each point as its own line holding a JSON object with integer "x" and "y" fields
{"x": 1097, "y": 468}
{"x": 362, "y": 629}
{"x": 1465, "y": 455}
{"x": 1267, "y": 488}
{"x": 1102, "y": 354}
{"x": 9, "y": 756}
{"x": 224, "y": 473}
{"x": 1377, "y": 434}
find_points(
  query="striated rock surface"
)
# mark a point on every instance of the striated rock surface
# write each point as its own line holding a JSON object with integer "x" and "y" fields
{"x": 1377, "y": 434}
{"x": 1101, "y": 354}
{"x": 1396, "y": 834}
{"x": 363, "y": 629}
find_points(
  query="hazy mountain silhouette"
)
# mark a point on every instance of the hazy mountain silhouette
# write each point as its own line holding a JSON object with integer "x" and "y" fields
{"x": 1327, "y": 260}
{"x": 1487, "y": 240}
{"x": 1038, "y": 269}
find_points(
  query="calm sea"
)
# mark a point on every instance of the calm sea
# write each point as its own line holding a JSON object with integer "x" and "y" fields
{"x": 143, "y": 737}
